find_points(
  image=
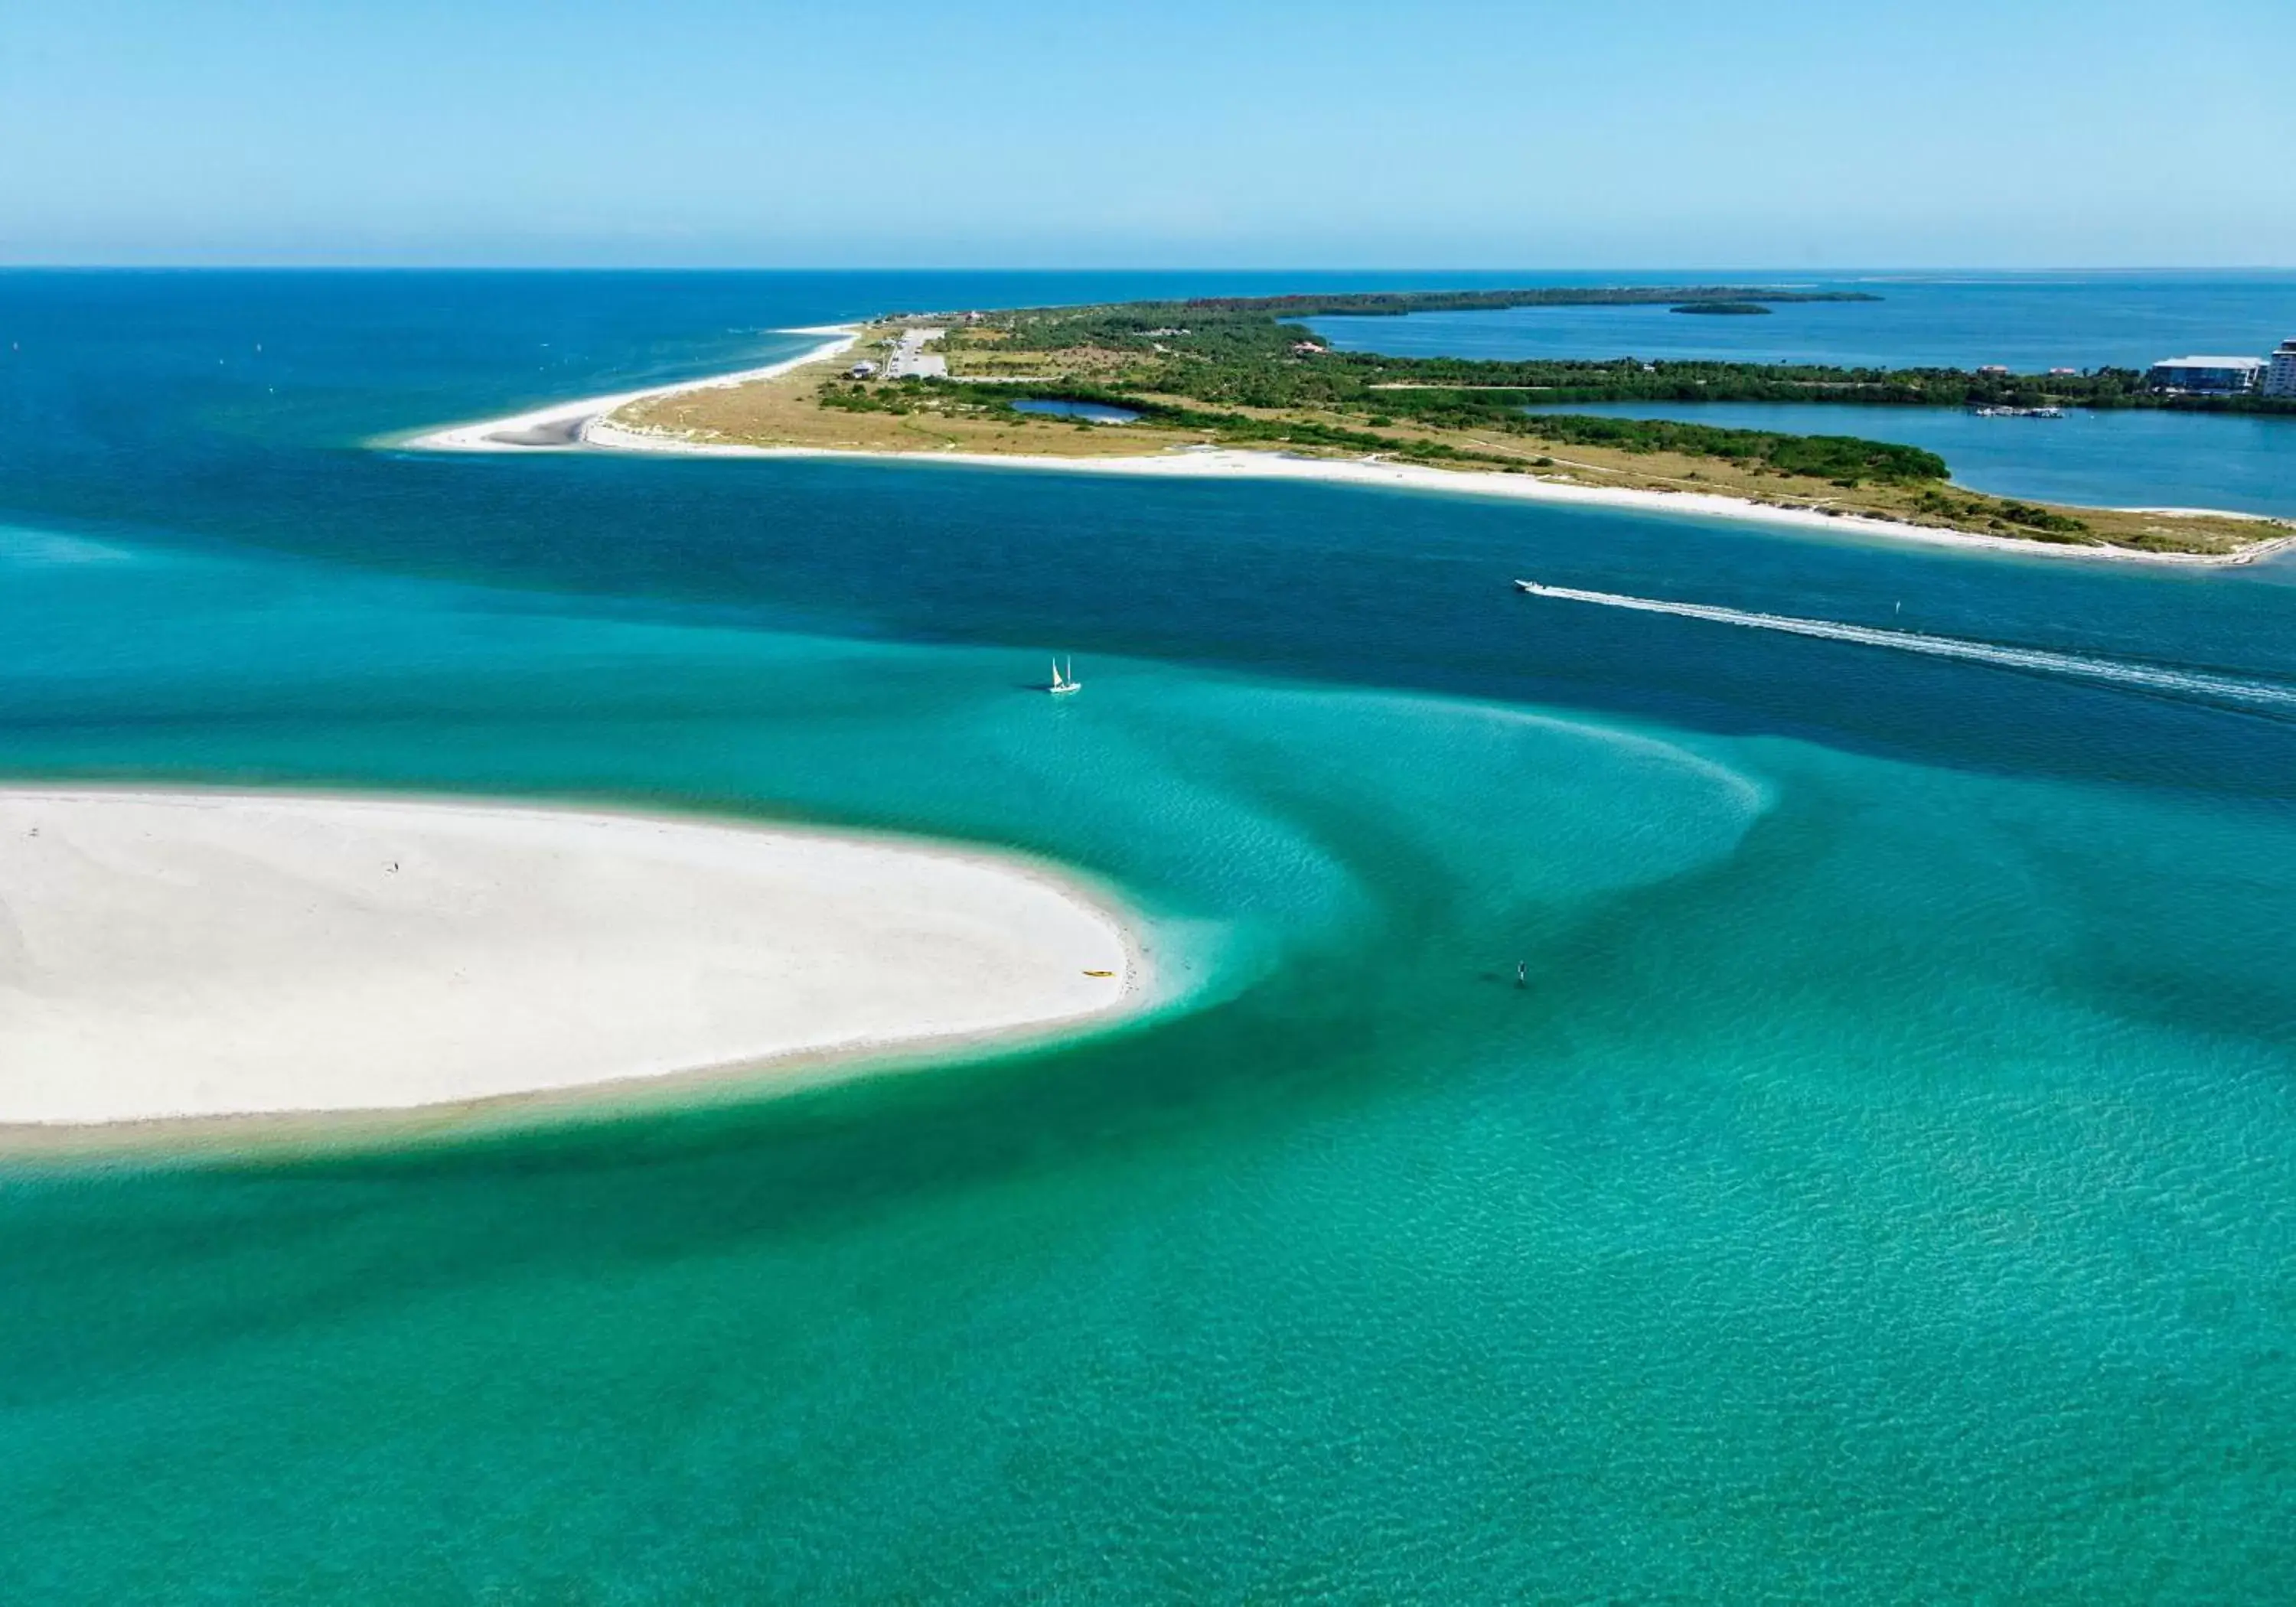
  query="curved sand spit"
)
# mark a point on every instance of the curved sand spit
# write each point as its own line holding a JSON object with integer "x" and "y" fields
{"x": 192, "y": 955}
{"x": 563, "y": 426}
{"x": 1233, "y": 462}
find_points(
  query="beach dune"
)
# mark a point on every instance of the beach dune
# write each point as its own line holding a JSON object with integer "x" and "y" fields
{"x": 194, "y": 955}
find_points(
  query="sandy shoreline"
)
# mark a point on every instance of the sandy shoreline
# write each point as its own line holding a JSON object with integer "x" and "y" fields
{"x": 180, "y": 957}
{"x": 564, "y": 426}
{"x": 585, "y": 424}
{"x": 1236, "y": 463}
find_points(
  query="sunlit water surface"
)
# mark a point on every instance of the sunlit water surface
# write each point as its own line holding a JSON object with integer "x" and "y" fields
{"x": 1882, "y": 1188}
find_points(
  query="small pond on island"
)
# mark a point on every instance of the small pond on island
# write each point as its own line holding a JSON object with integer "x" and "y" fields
{"x": 1097, "y": 413}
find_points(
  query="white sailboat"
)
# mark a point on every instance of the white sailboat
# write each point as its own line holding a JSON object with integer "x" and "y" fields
{"x": 1064, "y": 680}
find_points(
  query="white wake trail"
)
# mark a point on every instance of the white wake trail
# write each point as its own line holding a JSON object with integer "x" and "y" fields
{"x": 2123, "y": 672}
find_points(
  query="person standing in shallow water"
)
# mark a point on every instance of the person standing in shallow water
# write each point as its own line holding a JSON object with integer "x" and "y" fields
{"x": 1522, "y": 973}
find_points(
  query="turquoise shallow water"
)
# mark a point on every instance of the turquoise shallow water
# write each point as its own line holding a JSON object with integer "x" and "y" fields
{"x": 1882, "y": 1191}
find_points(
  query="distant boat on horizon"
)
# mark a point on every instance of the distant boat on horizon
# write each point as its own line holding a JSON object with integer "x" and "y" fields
{"x": 1063, "y": 680}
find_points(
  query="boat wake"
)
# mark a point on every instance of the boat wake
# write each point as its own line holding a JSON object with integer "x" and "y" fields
{"x": 2134, "y": 673}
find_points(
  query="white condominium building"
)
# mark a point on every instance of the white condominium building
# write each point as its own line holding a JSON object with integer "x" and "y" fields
{"x": 2280, "y": 371}
{"x": 2206, "y": 376}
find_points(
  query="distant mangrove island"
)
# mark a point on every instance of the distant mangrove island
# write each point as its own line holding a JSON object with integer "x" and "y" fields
{"x": 1389, "y": 304}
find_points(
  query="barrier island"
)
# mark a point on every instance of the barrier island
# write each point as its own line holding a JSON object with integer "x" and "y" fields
{"x": 1142, "y": 379}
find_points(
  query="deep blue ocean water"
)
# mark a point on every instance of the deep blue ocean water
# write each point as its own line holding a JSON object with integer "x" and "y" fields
{"x": 1882, "y": 1192}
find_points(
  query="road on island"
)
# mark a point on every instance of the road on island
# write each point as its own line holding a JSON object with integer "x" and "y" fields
{"x": 910, "y": 358}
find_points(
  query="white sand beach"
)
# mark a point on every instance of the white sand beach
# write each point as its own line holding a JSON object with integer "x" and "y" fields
{"x": 1237, "y": 463}
{"x": 189, "y": 954}
{"x": 564, "y": 426}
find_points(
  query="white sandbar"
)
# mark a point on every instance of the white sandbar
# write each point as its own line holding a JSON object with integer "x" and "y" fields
{"x": 184, "y": 955}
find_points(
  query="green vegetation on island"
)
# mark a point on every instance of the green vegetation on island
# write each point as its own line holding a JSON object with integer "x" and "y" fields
{"x": 1138, "y": 357}
{"x": 1242, "y": 350}
{"x": 1628, "y": 379}
{"x": 1843, "y": 459}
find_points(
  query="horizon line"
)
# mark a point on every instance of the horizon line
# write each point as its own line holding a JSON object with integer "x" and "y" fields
{"x": 1801, "y": 271}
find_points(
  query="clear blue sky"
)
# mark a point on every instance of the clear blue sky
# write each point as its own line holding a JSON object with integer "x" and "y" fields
{"x": 1636, "y": 133}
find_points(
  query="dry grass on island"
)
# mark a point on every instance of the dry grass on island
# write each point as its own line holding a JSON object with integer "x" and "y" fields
{"x": 787, "y": 411}
{"x": 819, "y": 407}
